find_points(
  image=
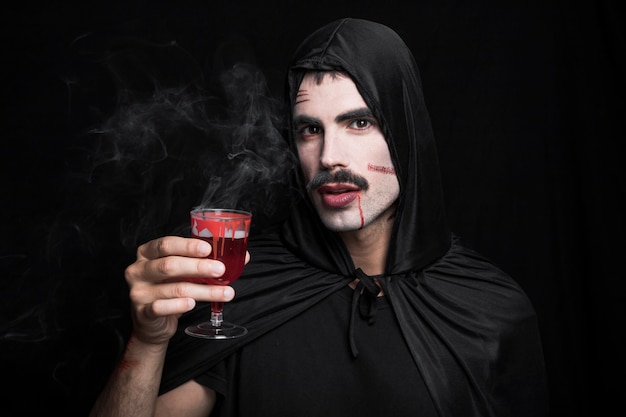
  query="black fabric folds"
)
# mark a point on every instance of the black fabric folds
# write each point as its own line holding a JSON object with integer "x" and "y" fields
{"x": 470, "y": 328}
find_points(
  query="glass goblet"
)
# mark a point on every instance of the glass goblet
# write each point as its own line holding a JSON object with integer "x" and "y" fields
{"x": 227, "y": 231}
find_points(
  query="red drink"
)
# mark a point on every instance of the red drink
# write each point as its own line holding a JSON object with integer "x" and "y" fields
{"x": 227, "y": 232}
{"x": 232, "y": 252}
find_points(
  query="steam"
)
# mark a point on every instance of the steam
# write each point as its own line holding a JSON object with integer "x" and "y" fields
{"x": 183, "y": 147}
{"x": 257, "y": 157}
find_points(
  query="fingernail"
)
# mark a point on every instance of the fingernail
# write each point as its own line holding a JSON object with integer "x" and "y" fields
{"x": 204, "y": 248}
{"x": 219, "y": 268}
{"x": 229, "y": 293}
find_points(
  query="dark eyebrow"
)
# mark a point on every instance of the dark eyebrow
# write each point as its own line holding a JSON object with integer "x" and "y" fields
{"x": 354, "y": 114}
{"x": 349, "y": 115}
{"x": 305, "y": 120}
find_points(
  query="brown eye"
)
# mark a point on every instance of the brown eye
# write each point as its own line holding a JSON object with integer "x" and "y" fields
{"x": 308, "y": 130}
{"x": 361, "y": 124}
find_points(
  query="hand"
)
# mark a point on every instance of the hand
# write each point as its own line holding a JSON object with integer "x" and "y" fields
{"x": 158, "y": 293}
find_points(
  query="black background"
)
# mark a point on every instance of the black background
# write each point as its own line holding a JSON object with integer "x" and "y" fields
{"x": 527, "y": 104}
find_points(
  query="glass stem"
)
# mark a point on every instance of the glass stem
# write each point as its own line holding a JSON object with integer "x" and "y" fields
{"x": 216, "y": 314}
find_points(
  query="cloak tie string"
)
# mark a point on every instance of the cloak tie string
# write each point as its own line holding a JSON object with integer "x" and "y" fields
{"x": 364, "y": 298}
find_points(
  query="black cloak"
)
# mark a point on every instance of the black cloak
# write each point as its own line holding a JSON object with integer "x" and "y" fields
{"x": 470, "y": 328}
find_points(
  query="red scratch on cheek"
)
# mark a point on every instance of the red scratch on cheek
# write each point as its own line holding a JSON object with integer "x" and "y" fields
{"x": 361, "y": 211}
{"x": 381, "y": 169}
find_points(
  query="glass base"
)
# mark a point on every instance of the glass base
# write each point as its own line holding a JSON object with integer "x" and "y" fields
{"x": 208, "y": 331}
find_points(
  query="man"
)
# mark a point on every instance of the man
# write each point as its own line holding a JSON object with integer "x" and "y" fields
{"x": 362, "y": 302}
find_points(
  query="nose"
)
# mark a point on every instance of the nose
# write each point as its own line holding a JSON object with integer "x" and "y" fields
{"x": 333, "y": 153}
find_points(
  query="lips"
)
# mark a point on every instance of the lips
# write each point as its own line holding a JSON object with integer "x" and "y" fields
{"x": 338, "y": 195}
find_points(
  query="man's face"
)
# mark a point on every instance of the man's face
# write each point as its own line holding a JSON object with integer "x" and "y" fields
{"x": 343, "y": 154}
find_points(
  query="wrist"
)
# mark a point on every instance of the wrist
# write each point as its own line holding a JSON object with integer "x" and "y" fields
{"x": 137, "y": 346}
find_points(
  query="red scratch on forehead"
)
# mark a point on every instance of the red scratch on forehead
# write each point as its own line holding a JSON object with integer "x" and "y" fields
{"x": 301, "y": 96}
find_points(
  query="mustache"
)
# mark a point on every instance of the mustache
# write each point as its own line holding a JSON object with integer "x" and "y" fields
{"x": 341, "y": 176}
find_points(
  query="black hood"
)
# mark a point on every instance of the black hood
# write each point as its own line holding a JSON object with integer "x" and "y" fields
{"x": 385, "y": 73}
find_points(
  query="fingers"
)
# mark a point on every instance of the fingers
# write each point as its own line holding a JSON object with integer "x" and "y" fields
{"x": 173, "y": 258}
{"x": 176, "y": 268}
{"x": 168, "y": 307}
{"x": 185, "y": 291}
{"x": 182, "y": 297}
{"x": 174, "y": 245}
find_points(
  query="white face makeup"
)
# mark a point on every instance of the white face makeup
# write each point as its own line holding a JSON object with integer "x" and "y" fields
{"x": 343, "y": 154}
